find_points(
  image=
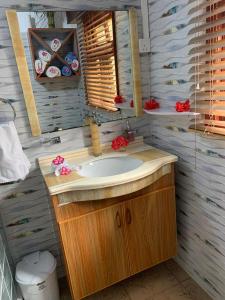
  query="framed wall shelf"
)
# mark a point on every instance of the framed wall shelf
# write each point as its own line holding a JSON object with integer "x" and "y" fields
{"x": 40, "y": 39}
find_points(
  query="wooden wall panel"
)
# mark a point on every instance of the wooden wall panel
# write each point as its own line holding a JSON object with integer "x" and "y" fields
{"x": 23, "y": 72}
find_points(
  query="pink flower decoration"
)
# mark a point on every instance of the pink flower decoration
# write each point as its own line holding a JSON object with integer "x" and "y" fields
{"x": 58, "y": 160}
{"x": 65, "y": 171}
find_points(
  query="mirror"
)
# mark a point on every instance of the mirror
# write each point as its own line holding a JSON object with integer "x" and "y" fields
{"x": 73, "y": 64}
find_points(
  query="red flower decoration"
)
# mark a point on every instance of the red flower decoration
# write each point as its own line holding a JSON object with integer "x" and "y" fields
{"x": 183, "y": 106}
{"x": 131, "y": 103}
{"x": 118, "y": 142}
{"x": 119, "y": 99}
{"x": 58, "y": 160}
{"x": 151, "y": 104}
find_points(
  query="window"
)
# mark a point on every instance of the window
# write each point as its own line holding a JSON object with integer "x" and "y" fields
{"x": 98, "y": 55}
{"x": 209, "y": 66}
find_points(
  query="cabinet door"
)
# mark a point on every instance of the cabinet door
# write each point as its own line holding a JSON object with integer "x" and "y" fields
{"x": 150, "y": 229}
{"x": 94, "y": 250}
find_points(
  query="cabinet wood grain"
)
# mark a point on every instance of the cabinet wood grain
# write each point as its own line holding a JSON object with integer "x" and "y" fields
{"x": 94, "y": 246}
{"x": 107, "y": 241}
{"x": 150, "y": 229}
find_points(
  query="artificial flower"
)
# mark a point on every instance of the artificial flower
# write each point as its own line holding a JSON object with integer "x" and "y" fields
{"x": 118, "y": 142}
{"x": 131, "y": 103}
{"x": 58, "y": 160}
{"x": 65, "y": 171}
{"x": 151, "y": 104}
{"x": 183, "y": 106}
{"x": 119, "y": 99}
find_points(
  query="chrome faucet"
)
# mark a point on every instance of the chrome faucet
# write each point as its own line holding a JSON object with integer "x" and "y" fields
{"x": 95, "y": 118}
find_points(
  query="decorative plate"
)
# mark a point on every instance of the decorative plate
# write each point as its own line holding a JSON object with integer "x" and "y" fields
{"x": 40, "y": 66}
{"x": 44, "y": 55}
{"x": 70, "y": 57}
{"x": 55, "y": 44}
{"x": 66, "y": 71}
{"x": 75, "y": 65}
{"x": 53, "y": 71}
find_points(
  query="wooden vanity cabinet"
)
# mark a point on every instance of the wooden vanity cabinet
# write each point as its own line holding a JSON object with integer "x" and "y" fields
{"x": 109, "y": 240}
{"x": 150, "y": 229}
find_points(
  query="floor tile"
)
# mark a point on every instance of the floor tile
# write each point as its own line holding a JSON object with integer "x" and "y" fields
{"x": 150, "y": 283}
{"x": 194, "y": 290}
{"x": 116, "y": 292}
{"x": 166, "y": 281}
{"x": 176, "y": 270}
{"x": 137, "y": 288}
{"x": 175, "y": 293}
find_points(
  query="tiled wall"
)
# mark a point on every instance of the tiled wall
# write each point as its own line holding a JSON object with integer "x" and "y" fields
{"x": 25, "y": 206}
{"x": 7, "y": 288}
{"x": 200, "y": 171}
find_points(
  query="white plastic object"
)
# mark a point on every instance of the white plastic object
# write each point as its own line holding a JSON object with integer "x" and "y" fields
{"x": 36, "y": 276}
{"x": 144, "y": 45}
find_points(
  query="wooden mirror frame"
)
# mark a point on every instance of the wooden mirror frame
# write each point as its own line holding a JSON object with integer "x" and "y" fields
{"x": 24, "y": 74}
{"x": 23, "y": 70}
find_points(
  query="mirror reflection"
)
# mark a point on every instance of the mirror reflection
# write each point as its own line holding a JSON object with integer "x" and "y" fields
{"x": 79, "y": 64}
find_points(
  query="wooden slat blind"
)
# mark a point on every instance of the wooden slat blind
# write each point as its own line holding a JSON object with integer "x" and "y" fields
{"x": 209, "y": 65}
{"x": 98, "y": 56}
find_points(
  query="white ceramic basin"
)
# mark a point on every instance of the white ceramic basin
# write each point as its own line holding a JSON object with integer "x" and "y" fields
{"x": 109, "y": 166}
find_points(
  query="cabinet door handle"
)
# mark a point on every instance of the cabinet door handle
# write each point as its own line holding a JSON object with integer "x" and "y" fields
{"x": 118, "y": 220}
{"x": 128, "y": 216}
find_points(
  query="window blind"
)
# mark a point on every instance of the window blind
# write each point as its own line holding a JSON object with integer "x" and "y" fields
{"x": 98, "y": 56}
{"x": 208, "y": 72}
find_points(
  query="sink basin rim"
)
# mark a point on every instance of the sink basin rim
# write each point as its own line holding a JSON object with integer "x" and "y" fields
{"x": 109, "y": 166}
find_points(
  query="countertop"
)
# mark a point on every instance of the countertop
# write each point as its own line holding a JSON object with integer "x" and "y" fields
{"x": 153, "y": 159}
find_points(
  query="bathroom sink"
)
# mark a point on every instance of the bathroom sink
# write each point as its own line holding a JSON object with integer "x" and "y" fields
{"x": 109, "y": 166}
